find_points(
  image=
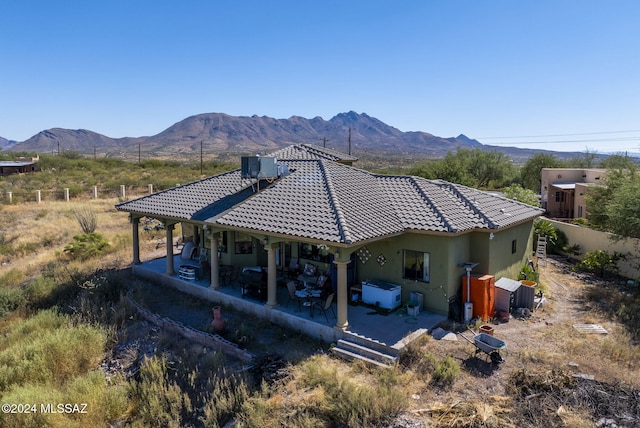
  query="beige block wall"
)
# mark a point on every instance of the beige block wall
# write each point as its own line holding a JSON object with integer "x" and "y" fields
{"x": 591, "y": 240}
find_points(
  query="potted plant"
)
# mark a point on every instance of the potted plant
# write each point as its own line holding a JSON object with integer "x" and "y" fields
{"x": 413, "y": 310}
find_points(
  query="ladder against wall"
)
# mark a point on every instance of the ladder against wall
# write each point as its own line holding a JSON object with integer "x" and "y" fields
{"x": 541, "y": 250}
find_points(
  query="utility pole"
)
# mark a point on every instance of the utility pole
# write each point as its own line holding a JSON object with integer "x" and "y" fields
{"x": 94, "y": 152}
{"x": 349, "y": 141}
{"x": 201, "y": 160}
{"x": 139, "y": 154}
{"x": 324, "y": 142}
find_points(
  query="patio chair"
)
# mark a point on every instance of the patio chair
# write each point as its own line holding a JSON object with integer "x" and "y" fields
{"x": 291, "y": 286}
{"x": 293, "y": 268}
{"x": 233, "y": 276}
{"x": 325, "y": 306}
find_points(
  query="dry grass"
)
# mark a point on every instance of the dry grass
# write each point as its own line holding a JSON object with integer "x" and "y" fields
{"x": 47, "y": 227}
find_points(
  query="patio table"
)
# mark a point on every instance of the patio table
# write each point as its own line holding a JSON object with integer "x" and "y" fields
{"x": 308, "y": 295}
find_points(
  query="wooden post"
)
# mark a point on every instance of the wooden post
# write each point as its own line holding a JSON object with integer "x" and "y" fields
{"x": 123, "y": 191}
{"x": 150, "y": 188}
{"x": 95, "y": 192}
{"x": 10, "y": 197}
{"x": 66, "y": 194}
{"x": 38, "y": 196}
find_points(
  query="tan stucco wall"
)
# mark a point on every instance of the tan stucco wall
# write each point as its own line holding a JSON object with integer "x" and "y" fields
{"x": 567, "y": 175}
{"x": 591, "y": 240}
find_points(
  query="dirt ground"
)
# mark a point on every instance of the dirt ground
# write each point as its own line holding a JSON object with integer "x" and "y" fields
{"x": 545, "y": 341}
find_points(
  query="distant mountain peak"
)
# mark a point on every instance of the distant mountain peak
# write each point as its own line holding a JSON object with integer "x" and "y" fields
{"x": 223, "y": 133}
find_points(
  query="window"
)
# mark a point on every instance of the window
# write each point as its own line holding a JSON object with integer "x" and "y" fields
{"x": 416, "y": 265}
{"x": 243, "y": 243}
{"x": 514, "y": 246}
{"x": 222, "y": 242}
{"x": 313, "y": 252}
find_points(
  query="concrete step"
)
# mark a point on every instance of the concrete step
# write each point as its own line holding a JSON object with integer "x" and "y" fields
{"x": 367, "y": 352}
{"x": 370, "y": 343}
{"x": 351, "y": 356}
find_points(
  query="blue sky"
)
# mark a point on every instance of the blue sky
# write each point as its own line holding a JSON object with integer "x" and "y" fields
{"x": 558, "y": 75}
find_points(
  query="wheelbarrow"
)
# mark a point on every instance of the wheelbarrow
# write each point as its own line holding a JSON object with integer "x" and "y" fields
{"x": 488, "y": 344}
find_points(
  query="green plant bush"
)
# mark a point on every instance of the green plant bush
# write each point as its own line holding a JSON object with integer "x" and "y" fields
{"x": 106, "y": 403}
{"x": 344, "y": 401}
{"x": 446, "y": 371}
{"x": 11, "y": 298}
{"x": 600, "y": 262}
{"x": 44, "y": 349}
{"x": 159, "y": 400}
{"x": 12, "y": 278}
{"x": 86, "y": 246}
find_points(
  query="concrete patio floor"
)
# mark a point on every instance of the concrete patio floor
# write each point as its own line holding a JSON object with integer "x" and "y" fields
{"x": 394, "y": 329}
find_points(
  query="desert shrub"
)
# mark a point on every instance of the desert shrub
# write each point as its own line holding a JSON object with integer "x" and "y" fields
{"x": 580, "y": 221}
{"x": 106, "y": 403}
{"x": 11, "y": 298}
{"x": 600, "y": 262}
{"x": 332, "y": 398}
{"x": 446, "y": 371}
{"x": 86, "y": 245}
{"x": 228, "y": 394}
{"x": 87, "y": 220}
{"x": 12, "y": 278}
{"x": 159, "y": 400}
{"x": 44, "y": 349}
{"x": 39, "y": 288}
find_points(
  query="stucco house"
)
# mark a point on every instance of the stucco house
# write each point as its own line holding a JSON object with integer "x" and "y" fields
{"x": 563, "y": 190}
{"x": 355, "y": 225}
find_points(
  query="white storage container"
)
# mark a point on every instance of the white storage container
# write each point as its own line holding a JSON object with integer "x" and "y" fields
{"x": 382, "y": 294}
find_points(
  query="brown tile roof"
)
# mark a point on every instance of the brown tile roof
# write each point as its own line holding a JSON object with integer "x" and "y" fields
{"x": 328, "y": 201}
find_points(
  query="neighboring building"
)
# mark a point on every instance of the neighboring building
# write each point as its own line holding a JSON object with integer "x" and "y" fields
{"x": 356, "y": 225}
{"x": 18, "y": 166}
{"x": 563, "y": 190}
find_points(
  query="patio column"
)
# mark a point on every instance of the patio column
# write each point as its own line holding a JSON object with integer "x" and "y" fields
{"x": 169, "y": 229}
{"x": 342, "y": 297}
{"x": 135, "y": 222}
{"x": 272, "y": 283}
{"x": 215, "y": 263}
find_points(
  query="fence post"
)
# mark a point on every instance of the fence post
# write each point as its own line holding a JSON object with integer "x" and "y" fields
{"x": 122, "y": 191}
{"x": 66, "y": 194}
{"x": 10, "y": 197}
{"x": 150, "y": 188}
{"x": 38, "y": 196}
{"x": 95, "y": 192}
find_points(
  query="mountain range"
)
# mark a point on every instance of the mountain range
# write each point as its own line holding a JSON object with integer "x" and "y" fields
{"x": 222, "y": 133}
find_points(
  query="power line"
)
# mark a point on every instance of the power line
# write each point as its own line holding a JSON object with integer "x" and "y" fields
{"x": 559, "y": 135}
{"x": 597, "y": 140}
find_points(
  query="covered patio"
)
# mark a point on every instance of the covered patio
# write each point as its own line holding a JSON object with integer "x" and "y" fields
{"x": 393, "y": 328}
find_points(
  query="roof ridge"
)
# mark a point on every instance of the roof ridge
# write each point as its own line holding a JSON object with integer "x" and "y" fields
{"x": 433, "y": 205}
{"x": 472, "y": 205}
{"x": 335, "y": 204}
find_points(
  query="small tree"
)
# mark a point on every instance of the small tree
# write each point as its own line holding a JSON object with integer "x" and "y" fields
{"x": 601, "y": 262}
{"x": 520, "y": 194}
